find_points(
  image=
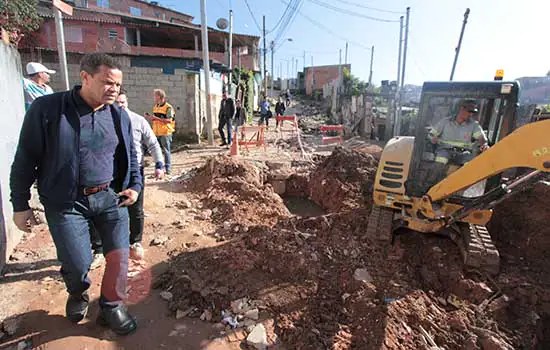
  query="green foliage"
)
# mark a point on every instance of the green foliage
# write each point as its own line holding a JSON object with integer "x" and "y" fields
{"x": 19, "y": 18}
{"x": 353, "y": 86}
{"x": 244, "y": 79}
{"x": 545, "y": 108}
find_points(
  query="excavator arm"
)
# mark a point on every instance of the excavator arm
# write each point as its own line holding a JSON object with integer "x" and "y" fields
{"x": 526, "y": 147}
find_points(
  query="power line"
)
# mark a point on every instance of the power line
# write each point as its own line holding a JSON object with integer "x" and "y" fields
{"x": 369, "y": 8}
{"x": 281, "y": 19}
{"x": 328, "y": 30}
{"x": 253, "y": 17}
{"x": 349, "y": 12}
{"x": 288, "y": 23}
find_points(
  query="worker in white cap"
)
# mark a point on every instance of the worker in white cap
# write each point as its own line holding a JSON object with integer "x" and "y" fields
{"x": 36, "y": 84}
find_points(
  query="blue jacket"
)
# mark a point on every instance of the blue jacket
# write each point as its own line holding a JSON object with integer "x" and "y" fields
{"x": 48, "y": 151}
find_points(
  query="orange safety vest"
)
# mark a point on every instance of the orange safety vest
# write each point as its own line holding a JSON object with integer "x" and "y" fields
{"x": 159, "y": 128}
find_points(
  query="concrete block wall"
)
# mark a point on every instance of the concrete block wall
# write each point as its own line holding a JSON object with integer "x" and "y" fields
{"x": 13, "y": 110}
{"x": 183, "y": 91}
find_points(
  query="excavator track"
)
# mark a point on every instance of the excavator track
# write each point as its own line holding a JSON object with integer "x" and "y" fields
{"x": 477, "y": 248}
{"x": 380, "y": 224}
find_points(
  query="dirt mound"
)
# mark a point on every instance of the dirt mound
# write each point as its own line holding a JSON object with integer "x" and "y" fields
{"x": 235, "y": 193}
{"x": 344, "y": 180}
{"x": 330, "y": 286}
{"x": 522, "y": 234}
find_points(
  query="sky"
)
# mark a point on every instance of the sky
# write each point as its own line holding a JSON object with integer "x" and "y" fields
{"x": 500, "y": 34}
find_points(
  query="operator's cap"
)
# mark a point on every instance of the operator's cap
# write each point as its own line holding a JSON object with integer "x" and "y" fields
{"x": 35, "y": 67}
{"x": 470, "y": 105}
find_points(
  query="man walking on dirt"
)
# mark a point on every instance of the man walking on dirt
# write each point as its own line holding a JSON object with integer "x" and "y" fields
{"x": 144, "y": 138}
{"x": 225, "y": 117}
{"x": 79, "y": 147}
{"x": 37, "y": 83}
{"x": 164, "y": 125}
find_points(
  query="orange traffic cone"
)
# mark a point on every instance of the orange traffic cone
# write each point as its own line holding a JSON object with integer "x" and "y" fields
{"x": 234, "y": 146}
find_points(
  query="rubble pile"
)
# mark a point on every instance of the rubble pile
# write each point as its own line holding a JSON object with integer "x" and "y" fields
{"x": 235, "y": 193}
{"x": 343, "y": 180}
{"x": 323, "y": 283}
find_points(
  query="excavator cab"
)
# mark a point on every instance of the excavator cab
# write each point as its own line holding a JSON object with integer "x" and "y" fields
{"x": 460, "y": 204}
{"x": 497, "y": 104}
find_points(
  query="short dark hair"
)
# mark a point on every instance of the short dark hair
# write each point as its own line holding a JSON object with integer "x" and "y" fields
{"x": 90, "y": 63}
{"x": 122, "y": 91}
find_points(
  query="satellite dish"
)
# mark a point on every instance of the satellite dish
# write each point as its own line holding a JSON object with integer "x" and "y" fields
{"x": 222, "y": 23}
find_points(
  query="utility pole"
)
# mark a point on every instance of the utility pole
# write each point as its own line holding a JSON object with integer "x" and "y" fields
{"x": 346, "y": 60}
{"x": 296, "y": 76}
{"x": 371, "y": 63}
{"x": 206, "y": 64}
{"x": 265, "y": 65}
{"x": 397, "y": 99}
{"x": 405, "y": 47}
{"x": 230, "y": 58}
{"x": 272, "y": 70}
{"x": 340, "y": 80}
{"x": 312, "y": 77}
{"x": 304, "y": 61}
{"x": 457, "y": 50}
{"x": 61, "y": 41}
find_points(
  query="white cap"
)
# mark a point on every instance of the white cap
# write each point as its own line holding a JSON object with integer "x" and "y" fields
{"x": 35, "y": 67}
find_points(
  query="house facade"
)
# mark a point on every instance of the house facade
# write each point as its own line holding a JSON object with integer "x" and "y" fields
{"x": 157, "y": 47}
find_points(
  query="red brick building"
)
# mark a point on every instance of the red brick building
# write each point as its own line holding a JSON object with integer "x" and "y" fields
{"x": 317, "y": 77}
{"x": 136, "y": 28}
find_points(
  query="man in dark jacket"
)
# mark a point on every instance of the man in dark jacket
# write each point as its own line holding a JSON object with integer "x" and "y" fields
{"x": 279, "y": 111}
{"x": 79, "y": 147}
{"x": 227, "y": 111}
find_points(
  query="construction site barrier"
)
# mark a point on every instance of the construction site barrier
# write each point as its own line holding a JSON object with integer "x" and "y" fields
{"x": 248, "y": 135}
{"x": 289, "y": 118}
{"x": 332, "y": 139}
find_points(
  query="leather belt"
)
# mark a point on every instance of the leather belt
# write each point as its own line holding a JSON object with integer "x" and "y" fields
{"x": 92, "y": 190}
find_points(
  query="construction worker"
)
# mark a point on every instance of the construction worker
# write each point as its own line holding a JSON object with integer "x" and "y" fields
{"x": 164, "y": 125}
{"x": 457, "y": 139}
{"x": 36, "y": 84}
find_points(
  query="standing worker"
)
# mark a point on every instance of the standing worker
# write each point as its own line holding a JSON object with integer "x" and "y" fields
{"x": 86, "y": 166}
{"x": 144, "y": 138}
{"x": 265, "y": 113}
{"x": 164, "y": 125}
{"x": 279, "y": 111}
{"x": 36, "y": 84}
{"x": 225, "y": 116}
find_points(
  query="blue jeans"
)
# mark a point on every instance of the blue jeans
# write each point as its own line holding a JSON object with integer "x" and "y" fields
{"x": 165, "y": 142}
{"x": 70, "y": 229}
{"x": 225, "y": 122}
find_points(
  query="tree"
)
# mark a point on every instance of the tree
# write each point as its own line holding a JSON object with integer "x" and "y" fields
{"x": 19, "y": 18}
{"x": 353, "y": 85}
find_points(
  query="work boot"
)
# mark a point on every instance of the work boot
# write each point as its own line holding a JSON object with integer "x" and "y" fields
{"x": 77, "y": 307}
{"x": 117, "y": 319}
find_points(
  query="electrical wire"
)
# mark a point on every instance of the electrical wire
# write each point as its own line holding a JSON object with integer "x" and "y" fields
{"x": 253, "y": 17}
{"x": 350, "y": 13}
{"x": 281, "y": 19}
{"x": 280, "y": 38}
{"x": 369, "y": 8}
{"x": 328, "y": 30}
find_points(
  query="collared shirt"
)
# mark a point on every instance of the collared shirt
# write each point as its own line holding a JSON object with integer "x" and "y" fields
{"x": 32, "y": 91}
{"x": 98, "y": 144}
{"x": 144, "y": 137}
{"x": 452, "y": 134}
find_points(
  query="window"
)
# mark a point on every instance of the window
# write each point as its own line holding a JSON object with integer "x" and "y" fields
{"x": 73, "y": 34}
{"x": 81, "y": 3}
{"x": 113, "y": 34}
{"x": 135, "y": 11}
{"x": 103, "y": 4}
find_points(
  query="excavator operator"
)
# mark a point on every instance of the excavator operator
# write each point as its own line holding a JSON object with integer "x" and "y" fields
{"x": 457, "y": 139}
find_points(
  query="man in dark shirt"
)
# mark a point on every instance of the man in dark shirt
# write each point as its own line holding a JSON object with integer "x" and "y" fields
{"x": 80, "y": 149}
{"x": 227, "y": 112}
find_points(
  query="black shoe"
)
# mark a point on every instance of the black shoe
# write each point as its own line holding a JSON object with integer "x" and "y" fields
{"x": 223, "y": 144}
{"x": 77, "y": 307}
{"x": 118, "y": 320}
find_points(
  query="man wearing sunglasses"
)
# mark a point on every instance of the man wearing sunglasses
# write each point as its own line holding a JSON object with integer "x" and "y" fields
{"x": 457, "y": 139}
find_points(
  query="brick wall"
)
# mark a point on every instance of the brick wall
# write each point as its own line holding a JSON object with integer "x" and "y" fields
{"x": 323, "y": 75}
{"x": 183, "y": 89}
{"x": 147, "y": 10}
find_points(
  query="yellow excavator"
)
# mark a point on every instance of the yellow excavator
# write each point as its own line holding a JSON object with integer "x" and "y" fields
{"x": 460, "y": 205}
